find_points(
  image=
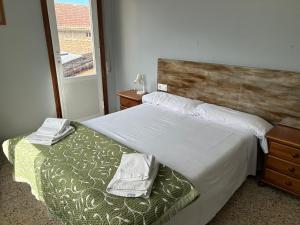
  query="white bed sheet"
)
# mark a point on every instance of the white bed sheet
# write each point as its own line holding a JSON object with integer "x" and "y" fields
{"x": 216, "y": 159}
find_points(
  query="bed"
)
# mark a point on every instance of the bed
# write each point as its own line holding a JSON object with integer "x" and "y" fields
{"x": 215, "y": 157}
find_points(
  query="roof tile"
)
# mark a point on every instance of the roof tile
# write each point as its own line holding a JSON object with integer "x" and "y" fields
{"x": 72, "y": 16}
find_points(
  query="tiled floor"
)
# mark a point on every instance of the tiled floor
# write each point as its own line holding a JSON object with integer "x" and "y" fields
{"x": 250, "y": 205}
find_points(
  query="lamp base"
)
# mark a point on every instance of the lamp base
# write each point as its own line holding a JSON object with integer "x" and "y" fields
{"x": 140, "y": 92}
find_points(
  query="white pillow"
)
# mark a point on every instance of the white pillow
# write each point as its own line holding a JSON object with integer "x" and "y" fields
{"x": 171, "y": 102}
{"x": 222, "y": 115}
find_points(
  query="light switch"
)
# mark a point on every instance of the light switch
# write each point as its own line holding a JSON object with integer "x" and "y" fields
{"x": 162, "y": 87}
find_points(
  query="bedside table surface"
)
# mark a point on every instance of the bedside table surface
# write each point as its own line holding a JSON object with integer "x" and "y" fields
{"x": 130, "y": 94}
{"x": 286, "y": 135}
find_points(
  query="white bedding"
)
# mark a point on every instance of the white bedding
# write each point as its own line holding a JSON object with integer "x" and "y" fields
{"x": 216, "y": 159}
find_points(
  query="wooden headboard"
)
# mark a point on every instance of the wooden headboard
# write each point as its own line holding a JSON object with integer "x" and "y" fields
{"x": 270, "y": 94}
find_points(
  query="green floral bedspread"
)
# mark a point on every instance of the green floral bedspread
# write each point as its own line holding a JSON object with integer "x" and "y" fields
{"x": 71, "y": 178}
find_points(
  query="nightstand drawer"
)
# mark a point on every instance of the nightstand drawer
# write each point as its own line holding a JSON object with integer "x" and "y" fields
{"x": 285, "y": 152}
{"x": 283, "y": 181}
{"x": 282, "y": 166}
{"x": 125, "y": 102}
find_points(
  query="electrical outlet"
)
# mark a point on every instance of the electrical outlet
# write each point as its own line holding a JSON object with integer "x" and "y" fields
{"x": 162, "y": 87}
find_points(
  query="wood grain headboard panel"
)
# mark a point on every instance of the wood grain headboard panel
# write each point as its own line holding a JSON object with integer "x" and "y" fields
{"x": 270, "y": 94}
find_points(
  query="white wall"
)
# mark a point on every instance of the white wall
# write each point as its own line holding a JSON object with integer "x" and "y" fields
{"x": 258, "y": 33}
{"x": 26, "y": 95}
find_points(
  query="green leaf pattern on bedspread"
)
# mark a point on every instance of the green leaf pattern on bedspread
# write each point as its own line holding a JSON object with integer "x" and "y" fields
{"x": 73, "y": 174}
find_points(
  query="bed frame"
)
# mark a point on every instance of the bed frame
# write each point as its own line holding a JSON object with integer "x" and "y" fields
{"x": 270, "y": 94}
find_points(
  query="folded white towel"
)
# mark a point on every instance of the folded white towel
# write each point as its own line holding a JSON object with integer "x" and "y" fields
{"x": 135, "y": 166}
{"x": 53, "y": 127}
{"x": 36, "y": 138}
{"x": 129, "y": 187}
{"x": 51, "y": 131}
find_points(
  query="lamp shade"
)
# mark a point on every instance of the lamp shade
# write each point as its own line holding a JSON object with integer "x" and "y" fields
{"x": 139, "y": 78}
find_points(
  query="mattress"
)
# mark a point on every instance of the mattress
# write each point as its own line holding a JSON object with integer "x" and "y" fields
{"x": 217, "y": 159}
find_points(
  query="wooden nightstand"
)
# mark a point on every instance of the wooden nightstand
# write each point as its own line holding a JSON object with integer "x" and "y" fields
{"x": 129, "y": 99}
{"x": 282, "y": 163}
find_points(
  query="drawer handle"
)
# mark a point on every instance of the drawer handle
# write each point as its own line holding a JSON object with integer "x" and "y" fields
{"x": 288, "y": 183}
{"x": 292, "y": 170}
{"x": 295, "y": 155}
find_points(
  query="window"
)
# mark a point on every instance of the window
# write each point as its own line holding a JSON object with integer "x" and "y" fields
{"x": 75, "y": 37}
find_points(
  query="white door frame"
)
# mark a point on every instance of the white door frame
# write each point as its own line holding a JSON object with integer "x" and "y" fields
{"x": 56, "y": 50}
